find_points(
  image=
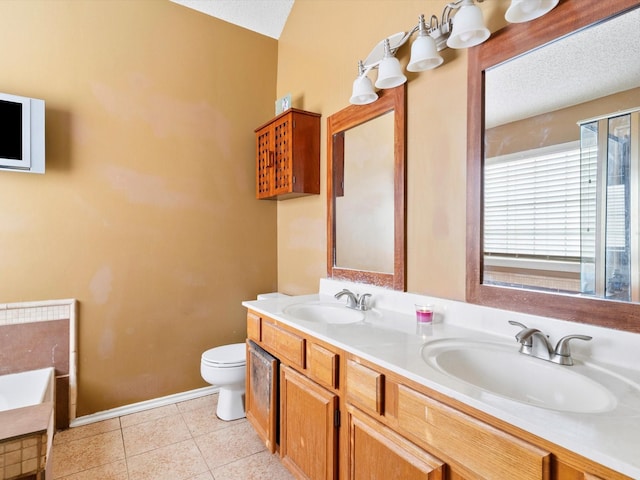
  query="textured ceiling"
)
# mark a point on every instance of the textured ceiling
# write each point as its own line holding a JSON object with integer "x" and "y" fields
{"x": 263, "y": 16}
{"x": 592, "y": 63}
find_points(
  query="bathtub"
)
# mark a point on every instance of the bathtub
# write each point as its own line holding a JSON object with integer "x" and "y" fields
{"x": 24, "y": 389}
{"x": 26, "y": 422}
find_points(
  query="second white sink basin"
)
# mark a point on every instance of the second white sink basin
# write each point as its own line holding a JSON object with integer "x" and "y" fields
{"x": 324, "y": 312}
{"x": 500, "y": 369}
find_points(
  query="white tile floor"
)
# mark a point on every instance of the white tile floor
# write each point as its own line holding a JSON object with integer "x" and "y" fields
{"x": 182, "y": 441}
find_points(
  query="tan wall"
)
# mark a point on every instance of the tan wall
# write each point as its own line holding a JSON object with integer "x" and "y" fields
{"x": 556, "y": 127}
{"x": 317, "y": 62}
{"x": 147, "y": 212}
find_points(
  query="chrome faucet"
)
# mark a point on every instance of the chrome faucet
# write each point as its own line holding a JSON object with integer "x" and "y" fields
{"x": 561, "y": 354}
{"x": 357, "y": 302}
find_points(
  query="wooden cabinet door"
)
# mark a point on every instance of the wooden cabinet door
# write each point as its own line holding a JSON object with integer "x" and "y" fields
{"x": 261, "y": 394}
{"x": 264, "y": 162}
{"x": 274, "y": 158}
{"x": 378, "y": 453}
{"x": 282, "y": 146}
{"x": 308, "y": 432}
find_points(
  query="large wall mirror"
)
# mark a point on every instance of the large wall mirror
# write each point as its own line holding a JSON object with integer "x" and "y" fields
{"x": 366, "y": 159}
{"x": 553, "y": 206}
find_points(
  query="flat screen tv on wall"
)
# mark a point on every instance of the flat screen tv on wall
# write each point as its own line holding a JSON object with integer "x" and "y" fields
{"x": 21, "y": 133}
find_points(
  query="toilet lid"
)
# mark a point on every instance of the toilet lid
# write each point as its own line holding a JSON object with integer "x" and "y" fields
{"x": 227, "y": 355}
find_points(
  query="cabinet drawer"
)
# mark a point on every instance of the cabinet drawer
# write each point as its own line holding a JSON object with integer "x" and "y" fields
{"x": 253, "y": 326}
{"x": 284, "y": 344}
{"x": 365, "y": 387}
{"x": 481, "y": 448}
{"x": 322, "y": 365}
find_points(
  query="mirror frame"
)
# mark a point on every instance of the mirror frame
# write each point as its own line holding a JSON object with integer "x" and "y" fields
{"x": 511, "y": 41}
{"x": 389, "y": 100}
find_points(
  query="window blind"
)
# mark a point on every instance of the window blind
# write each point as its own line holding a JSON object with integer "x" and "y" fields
{"x": 532, "y": 203}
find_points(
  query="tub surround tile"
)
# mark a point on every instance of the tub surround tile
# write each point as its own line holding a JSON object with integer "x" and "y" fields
{"x": 42, "y": 334}
{"x": 23, "y": 456}
{"x": 25, "y": 420}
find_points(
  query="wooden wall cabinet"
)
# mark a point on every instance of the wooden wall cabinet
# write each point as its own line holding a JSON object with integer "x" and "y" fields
{"x": 288, "y": 156}
{"x": 344, "y": 417}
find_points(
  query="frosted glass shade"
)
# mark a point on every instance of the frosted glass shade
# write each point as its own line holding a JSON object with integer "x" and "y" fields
{"x": 468, "y": 27}
{"x": 424, "y": 54}
{"x": 362, "y": 92}
{"x": 389, "y": 73}
{"x": 525, "y": 10}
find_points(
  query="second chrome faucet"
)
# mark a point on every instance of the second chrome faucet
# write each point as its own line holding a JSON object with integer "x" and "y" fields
{"x": 561, "y": 354}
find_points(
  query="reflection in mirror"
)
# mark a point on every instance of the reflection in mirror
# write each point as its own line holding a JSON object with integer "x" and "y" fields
{"x": 564, "y": 246}
{"x": 366, "y": 152}
{"x": 364, "y": 197}
{"x": 541, "y": 185}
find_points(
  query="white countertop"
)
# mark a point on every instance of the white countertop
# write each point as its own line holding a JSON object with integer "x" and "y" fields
{"x": 390, "y": 337}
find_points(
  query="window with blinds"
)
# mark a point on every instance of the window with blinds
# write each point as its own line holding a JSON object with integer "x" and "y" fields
{"x": 532, "y": 204}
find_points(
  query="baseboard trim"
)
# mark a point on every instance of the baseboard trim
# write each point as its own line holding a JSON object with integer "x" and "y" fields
{"x": 141, "y": 406}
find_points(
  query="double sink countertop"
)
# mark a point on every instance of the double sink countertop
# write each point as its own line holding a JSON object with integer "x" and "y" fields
{"x": 390, "y": 337}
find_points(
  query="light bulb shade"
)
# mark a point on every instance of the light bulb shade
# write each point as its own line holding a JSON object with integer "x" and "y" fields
{"x": 389, "y": 73}
{"x": 424, "y": 54}
{"x": 362, "y": 92}
{"x": 525, "y": 10}
{"x": 468, "y": 27}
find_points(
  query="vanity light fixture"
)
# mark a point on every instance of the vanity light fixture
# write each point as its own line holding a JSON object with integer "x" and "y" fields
{"x": 524, "y": 10}
{"x": 461, "y": 25}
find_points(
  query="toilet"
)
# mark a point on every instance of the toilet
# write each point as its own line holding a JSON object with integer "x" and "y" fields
{"x": 225, "y": 367}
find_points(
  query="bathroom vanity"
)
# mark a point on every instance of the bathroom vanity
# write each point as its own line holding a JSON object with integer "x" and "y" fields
{"x": 358, "y": 397}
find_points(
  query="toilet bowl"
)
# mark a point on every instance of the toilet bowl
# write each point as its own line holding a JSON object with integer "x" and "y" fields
{"x": 225, "y": 367}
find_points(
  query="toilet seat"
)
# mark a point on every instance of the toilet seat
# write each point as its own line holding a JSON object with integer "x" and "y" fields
{"x": 227, "y": 356}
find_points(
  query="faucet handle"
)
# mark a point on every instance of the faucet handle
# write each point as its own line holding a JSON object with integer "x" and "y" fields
{"x": 524, "y": 335}
{"x": 518, "y": 324}
{"x": 562, "y": 348}
{"x": 351, "y": 297}
{"x": 362, "y": 301}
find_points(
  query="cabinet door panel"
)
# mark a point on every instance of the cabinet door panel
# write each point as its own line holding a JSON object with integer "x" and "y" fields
{"x": 308, "y": 436}
{"x": 376, "y": 452}
{"x": 264, "y": 162}
{"x": 481, "y": 448}
{"x": 261, "y": 394}
{"x": 283, "y": 151}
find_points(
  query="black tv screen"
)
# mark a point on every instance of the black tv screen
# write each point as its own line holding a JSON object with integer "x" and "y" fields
{"x": 10, "y": 130}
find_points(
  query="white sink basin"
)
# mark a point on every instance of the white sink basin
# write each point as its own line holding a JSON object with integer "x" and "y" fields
{"x": 500, "y": 369}
{"x": 324, "y": 312}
